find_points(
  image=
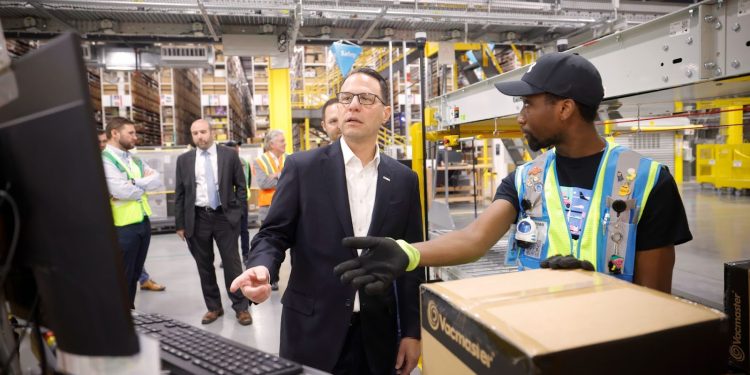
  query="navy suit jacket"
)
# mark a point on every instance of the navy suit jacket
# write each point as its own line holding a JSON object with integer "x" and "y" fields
{"x": 310, "y": 215}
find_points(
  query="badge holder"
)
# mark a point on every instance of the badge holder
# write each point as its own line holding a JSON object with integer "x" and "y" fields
{"x": 526, "y": 228}
{"x": 616, "y": 261}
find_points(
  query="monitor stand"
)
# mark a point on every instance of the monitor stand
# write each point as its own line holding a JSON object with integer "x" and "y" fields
{"x": 146, "y": 362}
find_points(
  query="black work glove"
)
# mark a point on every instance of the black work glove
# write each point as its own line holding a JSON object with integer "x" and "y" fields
{"x": 568, "y": 262}
{"x": 382, "y": 261}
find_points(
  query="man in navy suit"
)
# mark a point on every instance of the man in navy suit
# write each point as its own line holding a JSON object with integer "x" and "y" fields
{"x": 323, "y": 196}
{"x": 210, "y": 196}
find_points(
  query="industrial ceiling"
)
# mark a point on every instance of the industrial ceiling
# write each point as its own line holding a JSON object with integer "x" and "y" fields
{"x": 321, "y": 20}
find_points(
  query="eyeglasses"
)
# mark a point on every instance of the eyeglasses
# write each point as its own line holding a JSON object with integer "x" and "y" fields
{"x": 364, "y": 98}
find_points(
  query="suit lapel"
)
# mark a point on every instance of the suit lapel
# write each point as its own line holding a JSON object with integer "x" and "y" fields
{"x": 219, "y": 164}
{"x": 191, "y": 167}
{"x": 382, "y": 196}
{"x": 333, "y": 170}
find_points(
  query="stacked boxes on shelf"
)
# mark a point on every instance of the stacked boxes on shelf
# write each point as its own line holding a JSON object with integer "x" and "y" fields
{"x": 214, "y": 97}
{"x": 435, "y": 85}
{"x": 95, "y": 91}
{"x": 116, "y": 98}
{"x": 315, "y": 77}
{"x": 509, "y": 58}
{"x": 187, "y": 102}
{"x": 237, "y": 83}
{"x": 167, "y": 98}
{"x": 145, "y": 111}
{"x": 260, "y": 93}
{"x": 134, "y": 96}
{"x": 215, "y": 101}
{"x": 18, "y": 47}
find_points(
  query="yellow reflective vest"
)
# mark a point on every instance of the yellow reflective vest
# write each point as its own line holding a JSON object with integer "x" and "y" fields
{"x": 126, "y": 212}
{"x": 607, "y": 239}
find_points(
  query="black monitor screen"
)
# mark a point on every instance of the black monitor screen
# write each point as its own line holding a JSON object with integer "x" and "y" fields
{"x": 67, "y": 255}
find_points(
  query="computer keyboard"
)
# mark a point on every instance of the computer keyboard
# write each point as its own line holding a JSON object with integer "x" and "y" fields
{"x": 186, "y": 349}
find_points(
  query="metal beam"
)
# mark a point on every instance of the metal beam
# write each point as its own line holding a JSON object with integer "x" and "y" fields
{"x": 297, "y": 23}
{"x": 431, "y": 14}
{"x": 40, "y": 7}
{"x": 675, "y": 54}
{"x": 207, "y": 21}
{"x": 374, "y": 23}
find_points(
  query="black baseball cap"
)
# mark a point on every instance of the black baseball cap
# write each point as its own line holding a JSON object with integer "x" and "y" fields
{"x": 564, "y": 74}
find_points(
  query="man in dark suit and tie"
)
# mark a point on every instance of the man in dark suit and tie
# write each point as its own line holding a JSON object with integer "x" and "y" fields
{"x": 323, "y": 196}
{"x": 210, "y": 194}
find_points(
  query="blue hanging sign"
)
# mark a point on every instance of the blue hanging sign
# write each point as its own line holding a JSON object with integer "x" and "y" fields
{"x": 345, "y": 55}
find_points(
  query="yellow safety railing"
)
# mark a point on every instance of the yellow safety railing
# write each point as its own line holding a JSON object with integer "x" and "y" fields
{"x": 385, "y": 136}
{"x": 316, "y": 92}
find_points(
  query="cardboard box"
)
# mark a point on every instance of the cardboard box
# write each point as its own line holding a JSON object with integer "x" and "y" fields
{"x": 565, "y": 322}
{"x": 736, "y": 297}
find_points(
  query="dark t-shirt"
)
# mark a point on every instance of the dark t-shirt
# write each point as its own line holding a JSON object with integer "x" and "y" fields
{"x": 663, "y": 222}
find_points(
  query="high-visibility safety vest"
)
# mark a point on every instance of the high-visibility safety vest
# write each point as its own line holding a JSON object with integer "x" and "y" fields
{"x": 624, "y": 181}
{"x": 269, "y": 166}
{"x": 246, "y": 170}
{"x": 126, "y": 212}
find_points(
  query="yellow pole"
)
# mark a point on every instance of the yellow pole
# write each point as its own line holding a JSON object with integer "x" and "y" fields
{"x": 454, "y": 79}
{"x": 485, "y": 159}
{"x": 732, "y": 115}
{"x": 417, "y": 159}
{"x": 608, "y": 127}
{"x": 307, "y": 133}
{"x": 280, "y": 104}
{"x": 678, "y": 138}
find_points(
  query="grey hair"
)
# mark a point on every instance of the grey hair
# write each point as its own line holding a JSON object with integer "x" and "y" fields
{"x": 269, "y": 137}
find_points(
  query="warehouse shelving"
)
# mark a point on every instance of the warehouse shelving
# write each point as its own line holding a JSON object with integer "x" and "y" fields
{"x": 166, "y": 91}
{"x": 180, "y": 104}
{"x": 259, "y": 86}
{"x": 239, "y": 101}
{"x": 95, "y": 91}
{"x": 133, "y": 95}
{"x": 214, "y": 97}
{"x": 145, "y": 110}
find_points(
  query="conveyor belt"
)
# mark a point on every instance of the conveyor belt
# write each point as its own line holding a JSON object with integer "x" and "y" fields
{"x": 491, "y": 263}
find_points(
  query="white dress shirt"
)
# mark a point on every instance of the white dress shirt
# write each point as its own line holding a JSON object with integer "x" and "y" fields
{"x": 119, "y": 184}
{"x": 201, "y": 192}
{"x": 361, "y": 183}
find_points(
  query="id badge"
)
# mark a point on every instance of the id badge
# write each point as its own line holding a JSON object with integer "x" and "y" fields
{"x": 511, "y": 256}
{"x": 541, "y": 235}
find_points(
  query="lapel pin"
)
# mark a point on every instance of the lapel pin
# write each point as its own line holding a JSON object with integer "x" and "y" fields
{"x": 387, "y": 179}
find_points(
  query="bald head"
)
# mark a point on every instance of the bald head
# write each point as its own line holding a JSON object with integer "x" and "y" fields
{"x": 203, "y": 138}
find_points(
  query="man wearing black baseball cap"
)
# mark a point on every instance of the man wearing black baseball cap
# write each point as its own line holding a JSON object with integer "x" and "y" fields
{"x": 584, "y": 203}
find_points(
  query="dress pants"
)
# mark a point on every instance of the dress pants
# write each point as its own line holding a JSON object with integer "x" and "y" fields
{"x": 353, "y": 360}
{"x": 210, "y": 226}
{"x": 134, "y": 240}
{"x": 244, "y": 236}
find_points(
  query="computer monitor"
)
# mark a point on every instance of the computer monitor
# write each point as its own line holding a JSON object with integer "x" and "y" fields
{"x": 67, "y": 253}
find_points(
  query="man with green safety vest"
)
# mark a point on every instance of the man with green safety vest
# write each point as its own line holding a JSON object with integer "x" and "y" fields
{"x": 128, "y": 179}
{"x": 244, "y": 232}
{"x": 586, "y": 202}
